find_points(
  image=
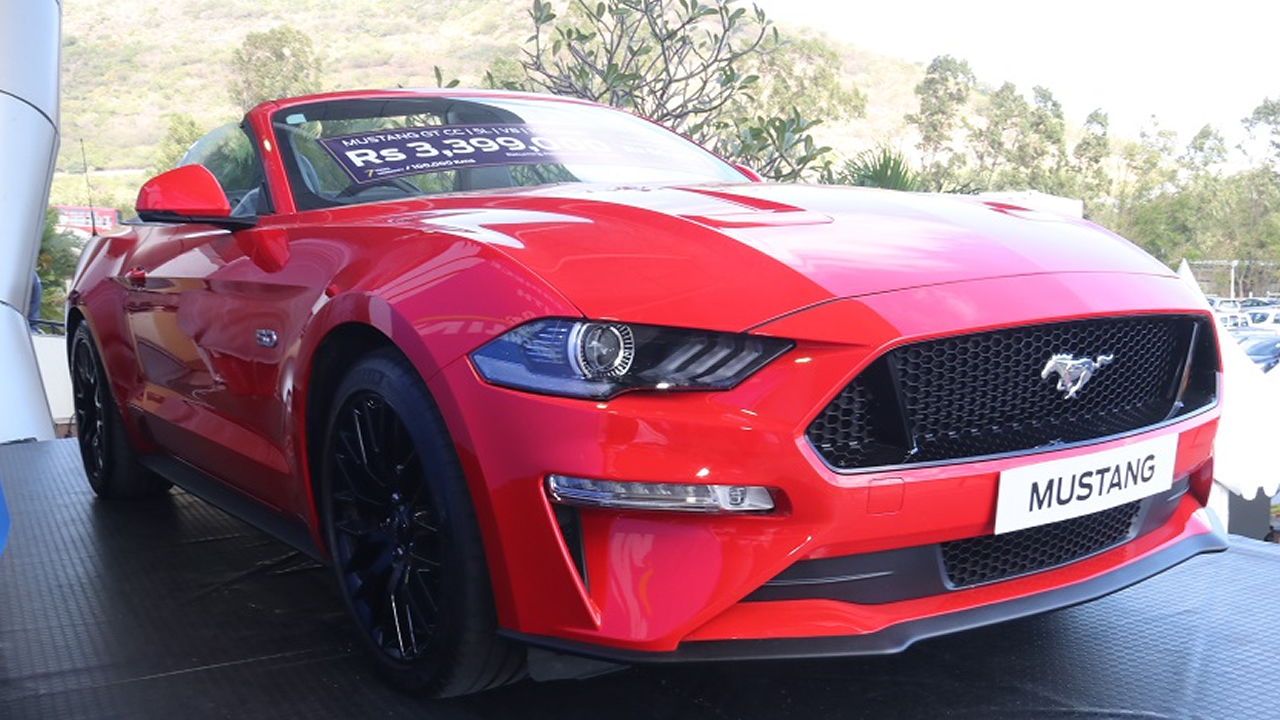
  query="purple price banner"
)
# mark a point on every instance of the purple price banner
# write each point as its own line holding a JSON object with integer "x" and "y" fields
{"x": 372, "y": 156}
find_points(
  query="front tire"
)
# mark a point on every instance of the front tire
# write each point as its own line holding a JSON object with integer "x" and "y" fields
{"x": 403, "y": 538}
{"x": 110, "y": 463}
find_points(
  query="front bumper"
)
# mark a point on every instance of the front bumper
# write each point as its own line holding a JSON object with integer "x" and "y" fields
{"x": 630, "y": 586}
{"x": 898, "y": 637}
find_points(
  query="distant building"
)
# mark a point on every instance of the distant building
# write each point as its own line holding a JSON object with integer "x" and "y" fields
{"x": 84, "y": 220}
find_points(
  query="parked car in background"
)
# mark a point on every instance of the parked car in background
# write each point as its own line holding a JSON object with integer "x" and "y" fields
{"x": 1232, "y": 319}
{"x": 529, "y": 372}
{"x": 1262, "y": 348}
{"x": 1262, "y": 317}
{"x": 1252, "y": 302}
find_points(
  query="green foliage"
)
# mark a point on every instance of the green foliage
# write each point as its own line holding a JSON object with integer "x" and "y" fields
{"x": 1266, "y": 119}
{"x": 268, "y": 65}
{"x": 440, "y": 83}
{"x": 55, "y": 264}
{"x": 879, "y": 167}
{"x": 505, "y": 73}
{"x": 694, "y": 67}
{"x": 1012, "y": 144}
{"x": 676, "y": 62}
{"x": 779, "y": 148}
{"x": 183, "y": 131}
{"x": 1089, "y": 161}
{"x": 802, "y": 73}
{"x": 943, "y": 95}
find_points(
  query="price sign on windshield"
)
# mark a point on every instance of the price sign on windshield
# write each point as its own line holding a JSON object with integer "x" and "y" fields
{"x": 372, "y": 156}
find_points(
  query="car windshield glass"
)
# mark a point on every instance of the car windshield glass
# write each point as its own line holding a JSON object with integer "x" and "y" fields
{"x": 362, "y": 150}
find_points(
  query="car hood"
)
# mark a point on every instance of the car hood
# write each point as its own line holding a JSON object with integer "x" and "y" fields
{"x": 734, "y": 257}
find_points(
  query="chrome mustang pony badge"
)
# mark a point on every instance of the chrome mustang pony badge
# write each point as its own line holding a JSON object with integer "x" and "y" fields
{"x": 1072, "y": 373}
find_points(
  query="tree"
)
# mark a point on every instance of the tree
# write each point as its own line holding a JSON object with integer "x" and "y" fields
{"x": 944, "y": 95}
{"x": 55, "y": 264}
{"x": 691, "y": 66}
{"x": 183, "y": 131}
{"x": 1145, "y": 207}
{"x": 801, "y": 73}
{"x": 992, "y": 139}
{"x": 676, "y": 63}
{"x": 1019, "y": 145}
{"x": 268, "y": 65}
{"x": 1266, "y": 118}
{"x": 1089, "y": 160}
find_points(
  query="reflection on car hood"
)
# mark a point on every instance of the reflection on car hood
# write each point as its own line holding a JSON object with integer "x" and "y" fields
{"x": 732, "y": 257}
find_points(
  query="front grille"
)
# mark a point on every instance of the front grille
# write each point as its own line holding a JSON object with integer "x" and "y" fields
{"x": 982, "y": 394}
{"x": 974, "y": 561}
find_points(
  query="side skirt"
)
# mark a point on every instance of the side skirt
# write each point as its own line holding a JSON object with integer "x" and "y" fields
{"x": 285, "y": 529}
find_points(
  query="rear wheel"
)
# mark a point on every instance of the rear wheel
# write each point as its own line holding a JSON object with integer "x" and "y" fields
{"x": 403, "y": 537}
{"x": 109, "y": 461}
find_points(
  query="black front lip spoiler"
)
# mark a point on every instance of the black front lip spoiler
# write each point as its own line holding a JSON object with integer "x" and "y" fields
{"x": 896, "y": 638}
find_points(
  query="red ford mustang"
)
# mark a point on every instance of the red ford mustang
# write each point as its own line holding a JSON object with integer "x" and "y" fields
{"x": 549, "y": 386}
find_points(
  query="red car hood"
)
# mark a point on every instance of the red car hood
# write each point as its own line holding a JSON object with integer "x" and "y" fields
{"x": 733, "y": 257}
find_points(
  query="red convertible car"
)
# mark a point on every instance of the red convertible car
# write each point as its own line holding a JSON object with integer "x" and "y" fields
{"x": 550, "y": 387}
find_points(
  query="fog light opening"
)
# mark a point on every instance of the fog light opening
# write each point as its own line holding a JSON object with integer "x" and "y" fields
{"x": 678, "y": 497}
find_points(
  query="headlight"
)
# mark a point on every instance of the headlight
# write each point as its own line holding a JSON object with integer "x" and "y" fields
{"x": 597, "y": 360}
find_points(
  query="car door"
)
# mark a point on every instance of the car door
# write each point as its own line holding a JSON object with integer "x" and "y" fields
{"x": 213, "y": 314}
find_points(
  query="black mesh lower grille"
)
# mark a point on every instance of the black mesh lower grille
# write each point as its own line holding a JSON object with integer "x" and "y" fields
{"x": 984, "y": 394}
{"x": 974, "y": 561}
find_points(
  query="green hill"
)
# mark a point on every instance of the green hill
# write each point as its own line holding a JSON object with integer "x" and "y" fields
{"x": 129, "y": 64}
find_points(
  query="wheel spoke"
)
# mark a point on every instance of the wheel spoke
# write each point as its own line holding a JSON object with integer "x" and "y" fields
{"x": 401, "y": 612}
{"x": 420, "y": 585}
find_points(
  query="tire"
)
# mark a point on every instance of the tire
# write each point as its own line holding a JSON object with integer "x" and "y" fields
{"x": 403, "y": 539}
{"x": 110, "y": 463}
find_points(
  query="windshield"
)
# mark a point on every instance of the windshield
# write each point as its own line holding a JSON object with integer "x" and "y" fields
{"x": 350, "y": 151}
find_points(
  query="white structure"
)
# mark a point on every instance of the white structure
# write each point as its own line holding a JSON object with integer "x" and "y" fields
{"x": 29, "y": 39}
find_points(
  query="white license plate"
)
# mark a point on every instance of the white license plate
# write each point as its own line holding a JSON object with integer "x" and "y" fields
{"x": 1057, "y": 490}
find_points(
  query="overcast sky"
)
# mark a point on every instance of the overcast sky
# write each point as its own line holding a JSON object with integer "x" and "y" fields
{"x": 1186, "y": 63}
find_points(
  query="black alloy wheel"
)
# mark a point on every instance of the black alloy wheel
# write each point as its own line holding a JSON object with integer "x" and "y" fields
{"x": 403, "y": 539}
{"x": 88, "y": 391}
{"x": 386, "y": 528}
{"x": 110, "y": 463}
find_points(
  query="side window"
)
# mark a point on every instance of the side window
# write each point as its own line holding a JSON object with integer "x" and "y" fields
{"x": 228, "y": 153}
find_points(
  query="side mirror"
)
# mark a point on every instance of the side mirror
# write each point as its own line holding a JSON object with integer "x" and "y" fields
{"x": 189, "y": 194}
{"x": 748, "y": 173}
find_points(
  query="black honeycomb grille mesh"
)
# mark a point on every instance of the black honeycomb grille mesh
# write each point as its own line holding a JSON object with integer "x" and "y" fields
{"x": 982, "y": 394}
{"x": 974, "y": 561}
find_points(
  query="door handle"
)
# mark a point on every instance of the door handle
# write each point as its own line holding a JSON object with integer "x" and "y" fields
{"x": 136, "y": 276}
